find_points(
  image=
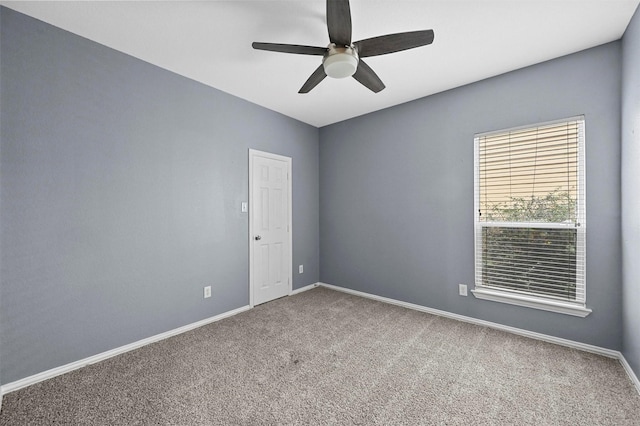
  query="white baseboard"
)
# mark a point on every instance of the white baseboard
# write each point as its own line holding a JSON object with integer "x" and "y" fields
{"x": 630, "y": 372}
{"x": 27, "y": 381}
{"x": 39, "y": 377}
{"x": 305, "y": 288}
{"x": 538, "y": 336}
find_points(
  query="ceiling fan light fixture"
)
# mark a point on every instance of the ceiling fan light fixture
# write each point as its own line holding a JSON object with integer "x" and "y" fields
{"x": 340, "y": 62}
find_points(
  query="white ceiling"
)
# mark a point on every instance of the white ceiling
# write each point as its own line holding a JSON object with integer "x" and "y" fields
{"x": 210, "y": 41}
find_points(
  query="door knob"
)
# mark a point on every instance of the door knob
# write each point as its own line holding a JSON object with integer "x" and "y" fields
{"x": 258, "y": 237}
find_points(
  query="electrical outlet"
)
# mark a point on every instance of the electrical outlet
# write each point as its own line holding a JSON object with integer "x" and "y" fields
{"x": 207, "y": 291}
{"x": 462, "y": 289}
{"x": 300, "y": 269}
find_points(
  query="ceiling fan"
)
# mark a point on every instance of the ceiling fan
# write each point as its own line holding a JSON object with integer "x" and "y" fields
{"x": 342, "y": 57}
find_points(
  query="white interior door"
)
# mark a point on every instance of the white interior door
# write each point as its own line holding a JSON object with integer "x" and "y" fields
{"x": 269, "y": 226}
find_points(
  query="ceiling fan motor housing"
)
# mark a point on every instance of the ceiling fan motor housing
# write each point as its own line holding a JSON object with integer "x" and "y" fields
{"x": 340, "y": 62}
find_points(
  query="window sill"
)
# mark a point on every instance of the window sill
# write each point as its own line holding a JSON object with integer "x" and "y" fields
{"x": 531, "y": 302}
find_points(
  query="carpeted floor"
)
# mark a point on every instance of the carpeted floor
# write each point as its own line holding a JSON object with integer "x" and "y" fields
{"x": 325, "y": 357}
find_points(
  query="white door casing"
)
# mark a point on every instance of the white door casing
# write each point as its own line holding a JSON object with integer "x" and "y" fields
{"x": 270, "y": 236}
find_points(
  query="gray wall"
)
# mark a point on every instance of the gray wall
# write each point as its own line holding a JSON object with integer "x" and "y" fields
{"x": 630, "y": 191}
{"x": 396, "y": 192}
{"x": 1, "y": 382}
{"x": 121, "y": 186}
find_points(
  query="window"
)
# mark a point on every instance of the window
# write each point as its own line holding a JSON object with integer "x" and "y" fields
{"x": 530, "y": 217}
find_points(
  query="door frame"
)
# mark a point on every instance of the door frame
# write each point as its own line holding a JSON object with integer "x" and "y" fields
{"x": 252, "y": 154}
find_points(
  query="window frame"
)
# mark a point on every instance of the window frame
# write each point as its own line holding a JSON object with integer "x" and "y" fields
{"x": 523, "y": 298}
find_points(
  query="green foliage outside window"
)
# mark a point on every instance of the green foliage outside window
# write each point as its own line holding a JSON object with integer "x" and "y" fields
{"x": 556, "y": 206}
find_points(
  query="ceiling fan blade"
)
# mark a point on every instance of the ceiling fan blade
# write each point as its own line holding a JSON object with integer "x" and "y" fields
{"x": 339, "y": 22}
{"x": 365, "y": 75}
{"x": 317, "y": 76}
{"x": 290, "y": 48}
{"x": 393, "y": 43}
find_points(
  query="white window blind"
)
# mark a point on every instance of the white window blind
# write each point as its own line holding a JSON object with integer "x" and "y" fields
{"x": 530, "y": 211}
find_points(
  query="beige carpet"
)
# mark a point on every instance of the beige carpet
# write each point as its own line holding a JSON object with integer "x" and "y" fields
{"x": 325, "y": 357}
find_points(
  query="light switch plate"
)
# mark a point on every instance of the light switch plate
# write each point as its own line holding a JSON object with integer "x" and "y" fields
{"x": 243, "y": 207}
